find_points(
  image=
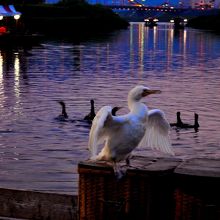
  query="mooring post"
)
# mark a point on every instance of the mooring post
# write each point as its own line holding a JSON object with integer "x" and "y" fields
{"x": 145, "y": 192}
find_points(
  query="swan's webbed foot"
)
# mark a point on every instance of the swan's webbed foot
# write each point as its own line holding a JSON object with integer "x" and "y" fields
{"x": 118, "y": 171}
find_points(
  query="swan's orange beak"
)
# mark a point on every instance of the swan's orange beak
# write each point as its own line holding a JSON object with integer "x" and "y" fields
{"x": 149, "y": 92}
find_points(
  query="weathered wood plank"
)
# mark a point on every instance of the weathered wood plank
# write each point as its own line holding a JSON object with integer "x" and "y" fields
{"x": 138, "y": 163}
{"x": 200, "y": 167}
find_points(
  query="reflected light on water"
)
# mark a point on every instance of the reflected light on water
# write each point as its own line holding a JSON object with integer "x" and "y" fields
{"x": 141, "y": 40}
{"x": 1, "y": 71}
{"x": 1, "y": 81}
{"x": 17, "y": 75}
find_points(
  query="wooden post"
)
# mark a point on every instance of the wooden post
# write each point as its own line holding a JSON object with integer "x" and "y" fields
{"x": 197, "y": 194}
{"x": 145, "y": 192}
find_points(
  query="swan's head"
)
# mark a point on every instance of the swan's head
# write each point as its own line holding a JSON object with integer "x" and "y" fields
{"x": 138, "y": 92}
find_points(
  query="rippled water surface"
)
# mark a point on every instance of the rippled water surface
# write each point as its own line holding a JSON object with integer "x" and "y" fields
{"x": 38, "y": 152}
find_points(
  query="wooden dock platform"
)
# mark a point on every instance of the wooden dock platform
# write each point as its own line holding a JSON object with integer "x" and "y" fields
{"x": 153, "y": 188}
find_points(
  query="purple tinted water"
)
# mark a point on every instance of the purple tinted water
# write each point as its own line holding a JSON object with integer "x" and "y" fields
{"x": 38, "y": 152}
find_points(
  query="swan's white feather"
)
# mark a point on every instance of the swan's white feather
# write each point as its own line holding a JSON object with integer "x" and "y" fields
{"x": 157, "y": 132}
{"x": 97, "y": 134}
{"x": 106, "y": 127}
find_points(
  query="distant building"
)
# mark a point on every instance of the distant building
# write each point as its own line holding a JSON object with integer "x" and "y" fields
{"x": 203, "y": 4}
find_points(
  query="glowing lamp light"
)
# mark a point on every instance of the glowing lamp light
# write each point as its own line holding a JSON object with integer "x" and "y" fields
{"x": 3, "y": 30}
{"x": 146, "y": 19}
{"x": 185, "y": 20}
{"x": 155, "y": 20}
{"x": 1, "y": 17}
{"x": 171, "y": 21}
{"x": 16, "y": 17}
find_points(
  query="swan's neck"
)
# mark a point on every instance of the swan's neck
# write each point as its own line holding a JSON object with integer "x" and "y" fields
{"x": 138, "y": 108}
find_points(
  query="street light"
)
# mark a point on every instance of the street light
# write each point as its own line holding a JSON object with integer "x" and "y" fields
{"x": 16, "y": 17}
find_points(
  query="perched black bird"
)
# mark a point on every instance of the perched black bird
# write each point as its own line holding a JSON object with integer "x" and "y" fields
{"x": 63, "y": 116}
{"x": 115, "y": 109}
{"x": 180, "y": 124}
{"x": 196, "y": 121}
{"x": 91, "y": 114}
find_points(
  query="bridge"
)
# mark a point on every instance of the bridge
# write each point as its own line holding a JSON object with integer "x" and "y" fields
{"x": 127, "y": 3}
{"x": 145, "y": 8}
{"x": 137, "y": 10}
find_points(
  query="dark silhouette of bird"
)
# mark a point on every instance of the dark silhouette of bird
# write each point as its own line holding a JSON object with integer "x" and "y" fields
{"x": 89, "y": 118}
{"x": 115, "y": 109}
{"x": 180, "y": 124}
{"x": 63, "y": 116}
{"x": 91, "y": 114}
{"x": 196, "y": 121}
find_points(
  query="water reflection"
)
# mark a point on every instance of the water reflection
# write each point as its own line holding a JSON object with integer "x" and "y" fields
{"x": 45, "y": 152}
{"x": 152, "y": 42}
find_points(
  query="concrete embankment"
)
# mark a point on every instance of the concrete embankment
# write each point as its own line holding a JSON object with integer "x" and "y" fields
{"x": 37, "y": 205}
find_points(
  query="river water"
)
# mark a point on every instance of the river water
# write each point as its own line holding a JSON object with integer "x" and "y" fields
{"x": 38, "y": 152}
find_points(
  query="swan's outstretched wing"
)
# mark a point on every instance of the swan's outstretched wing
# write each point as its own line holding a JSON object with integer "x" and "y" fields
{"x": 97, "y": 132}
{"x": 157, "y": 132}
{"x": 104, "y": 125}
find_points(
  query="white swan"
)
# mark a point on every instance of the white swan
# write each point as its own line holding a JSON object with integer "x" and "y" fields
{"x": 122, "y": 134}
